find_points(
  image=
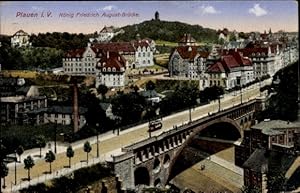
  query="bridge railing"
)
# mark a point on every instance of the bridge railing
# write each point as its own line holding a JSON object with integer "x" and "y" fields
{"x": 184, "y": 127}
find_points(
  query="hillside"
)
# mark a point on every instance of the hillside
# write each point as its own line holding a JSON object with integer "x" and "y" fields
{"x": 166, "y": 30}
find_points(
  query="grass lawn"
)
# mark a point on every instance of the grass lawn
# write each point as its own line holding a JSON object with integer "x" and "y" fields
{"x": 166, "y": 43}
{"x": 20, "y": 73}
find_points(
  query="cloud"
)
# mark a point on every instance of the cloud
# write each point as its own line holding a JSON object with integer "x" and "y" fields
{"x": 109, "y": 8}
{"x": 257, "y": 10}
{"x": 208, "y": 10}
{"x": 37, "y": 8}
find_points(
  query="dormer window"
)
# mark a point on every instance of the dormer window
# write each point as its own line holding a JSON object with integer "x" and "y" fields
{"x": 108, "y": 69}
{"x": 104, "y": 69}
{"x": 113, "y": 69}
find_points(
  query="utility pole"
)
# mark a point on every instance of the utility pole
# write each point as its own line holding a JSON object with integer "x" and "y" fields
{"x": 16, "y": 167}
{"x": 97, "y": 138}
{"x": 55, "y": 132}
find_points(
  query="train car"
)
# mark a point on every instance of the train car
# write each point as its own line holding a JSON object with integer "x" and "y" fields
{"x": 154, "y": 125}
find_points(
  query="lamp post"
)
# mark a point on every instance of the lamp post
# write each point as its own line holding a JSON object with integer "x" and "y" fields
{"x": 15, "y": 167}
{"x": 55, "y": 137}
{"x": 241, "y": 88}
{"x": 97, "y": 138}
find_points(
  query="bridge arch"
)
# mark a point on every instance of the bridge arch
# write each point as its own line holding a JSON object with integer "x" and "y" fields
{"x": 141, "y": 176}
{"x": 196, "y": 131}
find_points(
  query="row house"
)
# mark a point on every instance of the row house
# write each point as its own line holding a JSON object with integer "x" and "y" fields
{"x": 137, "y": 53}
{"x": 231, "y": 70}
{"x": 265, "y": 60}
{"x": 81, "y": 61}
{"x": 64, "y": 115}
{"x": 189, "y": 63}
{"x": 111, "y": 70}
{"x": 223, "y": 35}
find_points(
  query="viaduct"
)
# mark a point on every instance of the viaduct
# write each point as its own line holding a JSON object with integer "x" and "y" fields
{"x": 150, "y": 161}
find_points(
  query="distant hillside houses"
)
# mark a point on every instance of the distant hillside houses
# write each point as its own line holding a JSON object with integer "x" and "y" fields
{"x": 229, "y": 67}
{"x": 106, "y": 34}
{"x": 20, "y": 39}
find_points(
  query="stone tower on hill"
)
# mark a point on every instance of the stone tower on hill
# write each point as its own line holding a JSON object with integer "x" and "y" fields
{"x": 156, "y": 15}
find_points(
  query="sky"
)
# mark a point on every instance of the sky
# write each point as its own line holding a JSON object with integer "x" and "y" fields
{"x": 90, "y": 16}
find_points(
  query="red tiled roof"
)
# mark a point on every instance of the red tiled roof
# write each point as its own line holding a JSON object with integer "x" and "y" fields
{"x": 115, "y": 47}
{"x": 140, "y": 43}
{"x": 185, "y": 53}
{"x": 111, "y": 60}
{"x": 77, "y": 53}
{"x": 203, "y": 54}
{"x": 229, "y": 61}
{"x": 216, "y": 68}
{"x": 187, "y": 38}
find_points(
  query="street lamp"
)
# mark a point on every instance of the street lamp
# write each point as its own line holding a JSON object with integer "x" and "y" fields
{"x": 15, "y": 167}
{"x": 97, "y": 125}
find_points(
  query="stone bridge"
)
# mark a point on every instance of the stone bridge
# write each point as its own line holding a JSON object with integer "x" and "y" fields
{"x": 150, "y": 161}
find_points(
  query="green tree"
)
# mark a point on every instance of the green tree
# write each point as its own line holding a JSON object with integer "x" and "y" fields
{"x": 150, "y": 85}
{"x": 70, "y": 154}
{"x": 50, "y": 157}
{"x": 3, "y": 172}
{"x": 28, "y": 164}
{"x": 87, "y": 148}
{"x": 102, "y": 89}
{"x": 20, "y": 151}
{"x": 40, "y": 141}
{"x": 250, "y": 189}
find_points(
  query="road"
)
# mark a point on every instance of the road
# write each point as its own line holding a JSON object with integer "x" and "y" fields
{"x": 111, "y": 144}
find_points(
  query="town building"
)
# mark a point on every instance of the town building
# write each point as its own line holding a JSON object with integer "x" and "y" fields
{"x": 20, "y": 39}
{"x": 231, "y": 70}
{"x": 188, "y": 62}
{"x": 64, "y": 115}
{"x": 187, "y": 40}
{"x": 223, "y": 35}
{"x": 106, "y": 34}
{"x": 268, "y": 134}
{"x": 81, "y": 61}
{"x": 111, "y": 70}
{"x": 26, "y": 106}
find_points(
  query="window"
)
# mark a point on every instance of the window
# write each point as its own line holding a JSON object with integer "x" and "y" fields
{"x": 63, "y": 116}
{"x": 144, "y": 54}
{"x": 148, "y": 61}
{"x": 56, "y": 115}
{"x": 148, "y": 54}
{"x": 139, "y": 54}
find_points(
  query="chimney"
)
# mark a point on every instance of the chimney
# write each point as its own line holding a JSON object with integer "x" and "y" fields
{"x": 75, "y": 107}
{"x": 107, "y": 55}
{"x": 89, "y": 44}
{"x": 190, "y": 49}
{"x": 119, "y": 58}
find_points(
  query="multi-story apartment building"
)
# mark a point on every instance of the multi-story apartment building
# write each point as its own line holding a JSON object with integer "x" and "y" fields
{"x": 20, "y": 39}
{"x": 64, "y": 115}
{"x": 189, "y": 63}
{"x": 143, "y": 54}
{"x": 111, "y": 70}
{"x": 22, "y": 109}
{"x": 81, "y": 61}
{"x": 231, "y": 70}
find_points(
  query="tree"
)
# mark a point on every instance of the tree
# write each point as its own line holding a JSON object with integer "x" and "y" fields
{"x": 250, "y": 189}
{"x": 50, "y": 157}
{"x": 150, "y": 85}
{"x": 102, "y": 89}
{"x": 28, "y": 164}
{"x": 3, "y": 172}
{"x": 20, "y": 151}
{"x": 87, "y": 148}
{"x": 40, "y": 141}
{"x": 70, "y": 154}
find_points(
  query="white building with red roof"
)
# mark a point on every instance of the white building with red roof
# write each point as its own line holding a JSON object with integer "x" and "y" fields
{"x": 20, "y": 39}
{"x": 189, "y": 63}
{"x": 233, "y": 69}
{"x": 111, "y": 70}
{"x": 81, "y": 61}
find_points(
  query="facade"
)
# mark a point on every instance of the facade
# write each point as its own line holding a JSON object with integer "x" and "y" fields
{"x": 189, "y": 63}
{"x": 22, "y": 109}
{"x": 223, "y": 35}
{"x": 111, "y": 70}
{"x": 143, "y": 54}
{"x": 81, "y": 61}
{"x": 20, "y": 39}
{"x": 230, "y": 71}
{"x": 64, "y": 115}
